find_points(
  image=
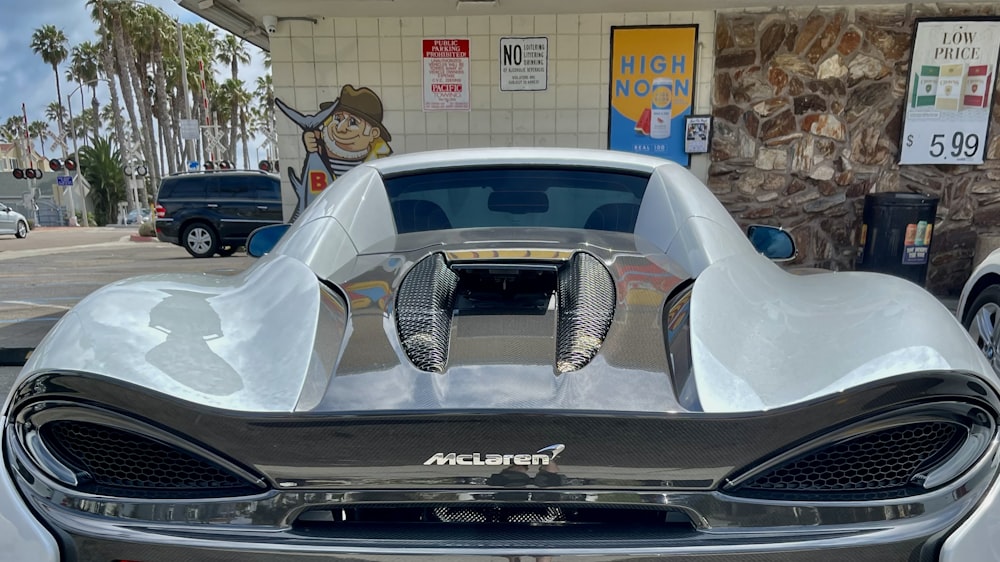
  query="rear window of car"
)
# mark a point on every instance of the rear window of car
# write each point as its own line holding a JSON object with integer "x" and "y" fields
{"x": 194, "y": 187}
{"x": 596, "y": 199}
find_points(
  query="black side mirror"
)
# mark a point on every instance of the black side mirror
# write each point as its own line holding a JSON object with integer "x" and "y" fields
{"x": 772, "y": 241}
{"x": 265, "y": 238}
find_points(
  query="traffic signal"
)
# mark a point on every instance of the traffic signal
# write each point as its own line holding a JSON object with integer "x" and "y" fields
{"x": 33, "y": 174}
{"x": 264, "y": 165}
{"x": 225, "y": 165}
{"x": 209, "y": 165}
{"x": 18, "y": 174}
{"x": 141, "y": 170}
{"x": 70, "y": 164}
{"x": 55, "y": 165}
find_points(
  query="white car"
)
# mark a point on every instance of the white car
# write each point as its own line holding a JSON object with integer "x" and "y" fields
{"x": 979, "y": 307}
{"x": 488, "y": 355}
{"x": 12, "y": 222}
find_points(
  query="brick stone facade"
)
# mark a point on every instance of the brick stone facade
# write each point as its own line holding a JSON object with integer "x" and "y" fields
{"x": 808, "y": 111}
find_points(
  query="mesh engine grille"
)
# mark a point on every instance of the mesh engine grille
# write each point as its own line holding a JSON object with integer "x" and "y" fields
{"x": 122, "y": 459}
{"x": 883, "y": 460}
{"x": 423, "y": 313}
{"x": 586, "y": 307}
{"x": 498, "y": 515}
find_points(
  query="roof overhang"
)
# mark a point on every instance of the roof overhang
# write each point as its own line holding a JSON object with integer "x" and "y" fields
{"x": 243, "y": 17}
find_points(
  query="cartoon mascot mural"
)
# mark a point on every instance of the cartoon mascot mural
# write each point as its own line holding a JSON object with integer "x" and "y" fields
{"x": 343, "y": 134}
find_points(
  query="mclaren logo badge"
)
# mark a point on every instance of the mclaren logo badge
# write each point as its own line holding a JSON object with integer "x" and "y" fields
{"x": 543, "y": 457}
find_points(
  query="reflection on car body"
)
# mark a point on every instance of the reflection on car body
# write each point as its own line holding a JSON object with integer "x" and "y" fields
{"x": 500, "y": 308}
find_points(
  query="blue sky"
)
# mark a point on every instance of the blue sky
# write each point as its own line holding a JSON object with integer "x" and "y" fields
{"x": 24, "y": 78}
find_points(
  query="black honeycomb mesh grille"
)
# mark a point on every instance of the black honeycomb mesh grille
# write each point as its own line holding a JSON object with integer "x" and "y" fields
{"x": 423, "y": 313}
{"x": 121, "y": 459}
{"x": 881, "y": 461}
{"x": 586, "y": 308}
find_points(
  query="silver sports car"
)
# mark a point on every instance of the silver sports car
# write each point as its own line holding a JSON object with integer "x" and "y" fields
{"x": 506, "y": 354}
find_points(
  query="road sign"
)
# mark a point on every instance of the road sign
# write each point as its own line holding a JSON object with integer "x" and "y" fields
{"x": 189, "y": 129}
{"x": 64, "y": 180}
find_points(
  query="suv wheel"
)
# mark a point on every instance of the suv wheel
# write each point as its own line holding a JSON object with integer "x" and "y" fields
{"x": 22, "y": 229}
{"x": 200, "y": 240}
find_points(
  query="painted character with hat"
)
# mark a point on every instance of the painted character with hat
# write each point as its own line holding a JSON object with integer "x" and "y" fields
{"x": 343, "y": 134}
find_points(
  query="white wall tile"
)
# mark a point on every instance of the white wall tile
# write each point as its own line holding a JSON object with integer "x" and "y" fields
{"x": 523, "y": 100}
{"x": 546, "y": 99}
{"x": 481, "y": 97}
{"x": 392, "y": 74}
{"x": 545, "y": 122}
{"x": 501, "y": 121}
{"x": 522, "y": 25}
{"x": 681, "y": 17}
{"x": 591, "y": 23}
{"x": 567, "y": 72}
{"x": 391, "y": 49}
{"x": 705, "y": 20}
{"x": 368, "y": 49}
{"x": 479, "y": 122}
{"x": 588, "y": 121}
{"x": 326, "y": 73}
{"x": 590, "y": 73}
{"x": 458, "y": 123}
{"x": 325, "y": 49}
{"x": 479, "y": 47}
{"x": 479, "y": 141}
{"x": 500, "y": 100}
{"x": 499, "y": 25}
{"x": 413, "y": 97}
{"x": 545, "y": 25}
{"x": 437, "y": 122}
{"x": 589, "y": 140}
{"x": 566, "y": 120}
{"x": 524, "y": 122}
{"x": 479, "y": 25}
{"x": 393, "y": 122}
{"x": 437, "y": 142}
{"x": 324, "y": 28}
{"x": 345, "y": 27}
{"x": 635, "y": 18}
{"x": 480, "y": 73}
{"x": 367, "y": 27}
{"x": 347, "y": 49}
{"x": 411, "y": 27}
{"x": 281, "y": 49}
{"x": 348, "y": 73}
{"x": 566, "y": 140}
{"x": 567, "y": 24}
{"x": 416, "y": 143}
{"x": 523, "y": 140}
{"x": 389, "y": 27}
{"x": 567, "y": 47}
{"x": 501, "y": 140}
{"x": 302, "y": 49}
{"x": 392, "y": 97}
{"x": 305, "y": 100}
{"x": 566, "y": 96}
{"x": 299, "y": 28}
{"x": 609, "y": 20}
{"x": 304, "y": 74}
{"x": 458, "y": 141}
{"x": 545, "y": 140}
{"x": 590, "y": 47}
{"x": 456, "y": 26}
{"x": 413, "y": 49}
{"x": 589, "y": 96}
{"x": 414, "y": 123}
{"x": 658, "y": 18}
{"x": 434, "y": 28}
{"x": 370, "y": 74}
{"x": 413, "y": 74}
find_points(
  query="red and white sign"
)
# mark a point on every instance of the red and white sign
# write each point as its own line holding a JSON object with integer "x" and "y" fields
{"x": 446, "y": 75}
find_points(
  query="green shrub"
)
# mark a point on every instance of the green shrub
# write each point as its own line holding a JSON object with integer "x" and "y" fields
{"x": 147, "y": 229}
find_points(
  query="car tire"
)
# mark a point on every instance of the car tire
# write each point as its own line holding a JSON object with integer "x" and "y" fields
{"x": 22, "y": 229}
{"x": 983, "y": 323}
{"x": 200, "y": 240}
{"x": 227, "y": 251}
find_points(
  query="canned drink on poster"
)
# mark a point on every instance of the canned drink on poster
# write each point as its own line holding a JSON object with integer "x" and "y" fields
{"x": 661, "y": 96}
{"x": 911, "y": 234}
{"x": 921, "y": 233}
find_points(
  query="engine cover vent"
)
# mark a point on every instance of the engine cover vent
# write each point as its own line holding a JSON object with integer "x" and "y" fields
{"x": 586, "y": 307}
{"x": 423, "y": 313}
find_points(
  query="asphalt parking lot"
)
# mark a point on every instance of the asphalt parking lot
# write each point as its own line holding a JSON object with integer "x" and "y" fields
{"x": 44, "y": 275}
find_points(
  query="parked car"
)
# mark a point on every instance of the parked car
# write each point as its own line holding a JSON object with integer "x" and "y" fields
{"x": 132, "y": 217}
{"x": 979, "y": 307}
{"x": 489, "y": 353}
{"x": 12, "y": 222}
{"x": 213, "y": 212}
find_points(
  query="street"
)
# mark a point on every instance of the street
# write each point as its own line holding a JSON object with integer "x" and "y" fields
{"x": 47, "y": 273}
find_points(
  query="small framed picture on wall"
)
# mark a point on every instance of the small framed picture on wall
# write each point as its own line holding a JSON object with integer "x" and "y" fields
{"x": 697, "y": 134}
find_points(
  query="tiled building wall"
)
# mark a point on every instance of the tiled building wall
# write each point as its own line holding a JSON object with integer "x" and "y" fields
{"x": 312, "y": 61}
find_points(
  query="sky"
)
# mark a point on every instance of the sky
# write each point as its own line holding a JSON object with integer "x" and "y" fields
{"x": 25, "y": 78}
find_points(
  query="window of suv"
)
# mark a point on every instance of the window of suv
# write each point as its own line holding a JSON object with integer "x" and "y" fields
{"x": 187, "y": 187}
{"x": 268, "y": 188}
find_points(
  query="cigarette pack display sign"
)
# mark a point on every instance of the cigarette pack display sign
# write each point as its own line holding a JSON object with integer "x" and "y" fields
{"x": 697, "y": 134}
{"x": 916, "y": 243}
{"x": 446, "y": 74}
{"x": 950, "y": 91}
{"x": 652, "y": 88}
{"x": 524, "y": 63}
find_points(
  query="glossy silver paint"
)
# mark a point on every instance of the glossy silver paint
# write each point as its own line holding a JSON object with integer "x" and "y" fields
{"x": 761, "y": 340}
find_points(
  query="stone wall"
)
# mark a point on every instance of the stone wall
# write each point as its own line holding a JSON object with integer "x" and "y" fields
{"x": 808, "y": 111}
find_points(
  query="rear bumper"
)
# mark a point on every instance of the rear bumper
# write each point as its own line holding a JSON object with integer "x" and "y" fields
{"x": 166, "y": 231}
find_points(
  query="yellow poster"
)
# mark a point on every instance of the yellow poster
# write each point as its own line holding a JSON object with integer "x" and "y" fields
{"x": 652, "y": 88}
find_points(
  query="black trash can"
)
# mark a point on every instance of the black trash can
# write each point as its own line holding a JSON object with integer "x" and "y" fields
{"x": 896, "y": 234}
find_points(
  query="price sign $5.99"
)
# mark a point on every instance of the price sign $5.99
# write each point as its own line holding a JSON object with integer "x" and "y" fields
{"x": 958, "y": 146}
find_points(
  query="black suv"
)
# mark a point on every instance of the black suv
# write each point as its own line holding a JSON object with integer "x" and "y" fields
{"x": 213, "y": 212}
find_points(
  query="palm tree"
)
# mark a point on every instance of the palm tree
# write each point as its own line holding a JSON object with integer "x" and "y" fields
{"x": 101, "y": 166}
{"x": 50, "y": 43}
{"x": 39, "y": 130}
{"x": 85, "y": 67}
{"x": 232, "y": 51}
{"x": 55, "y": 112}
